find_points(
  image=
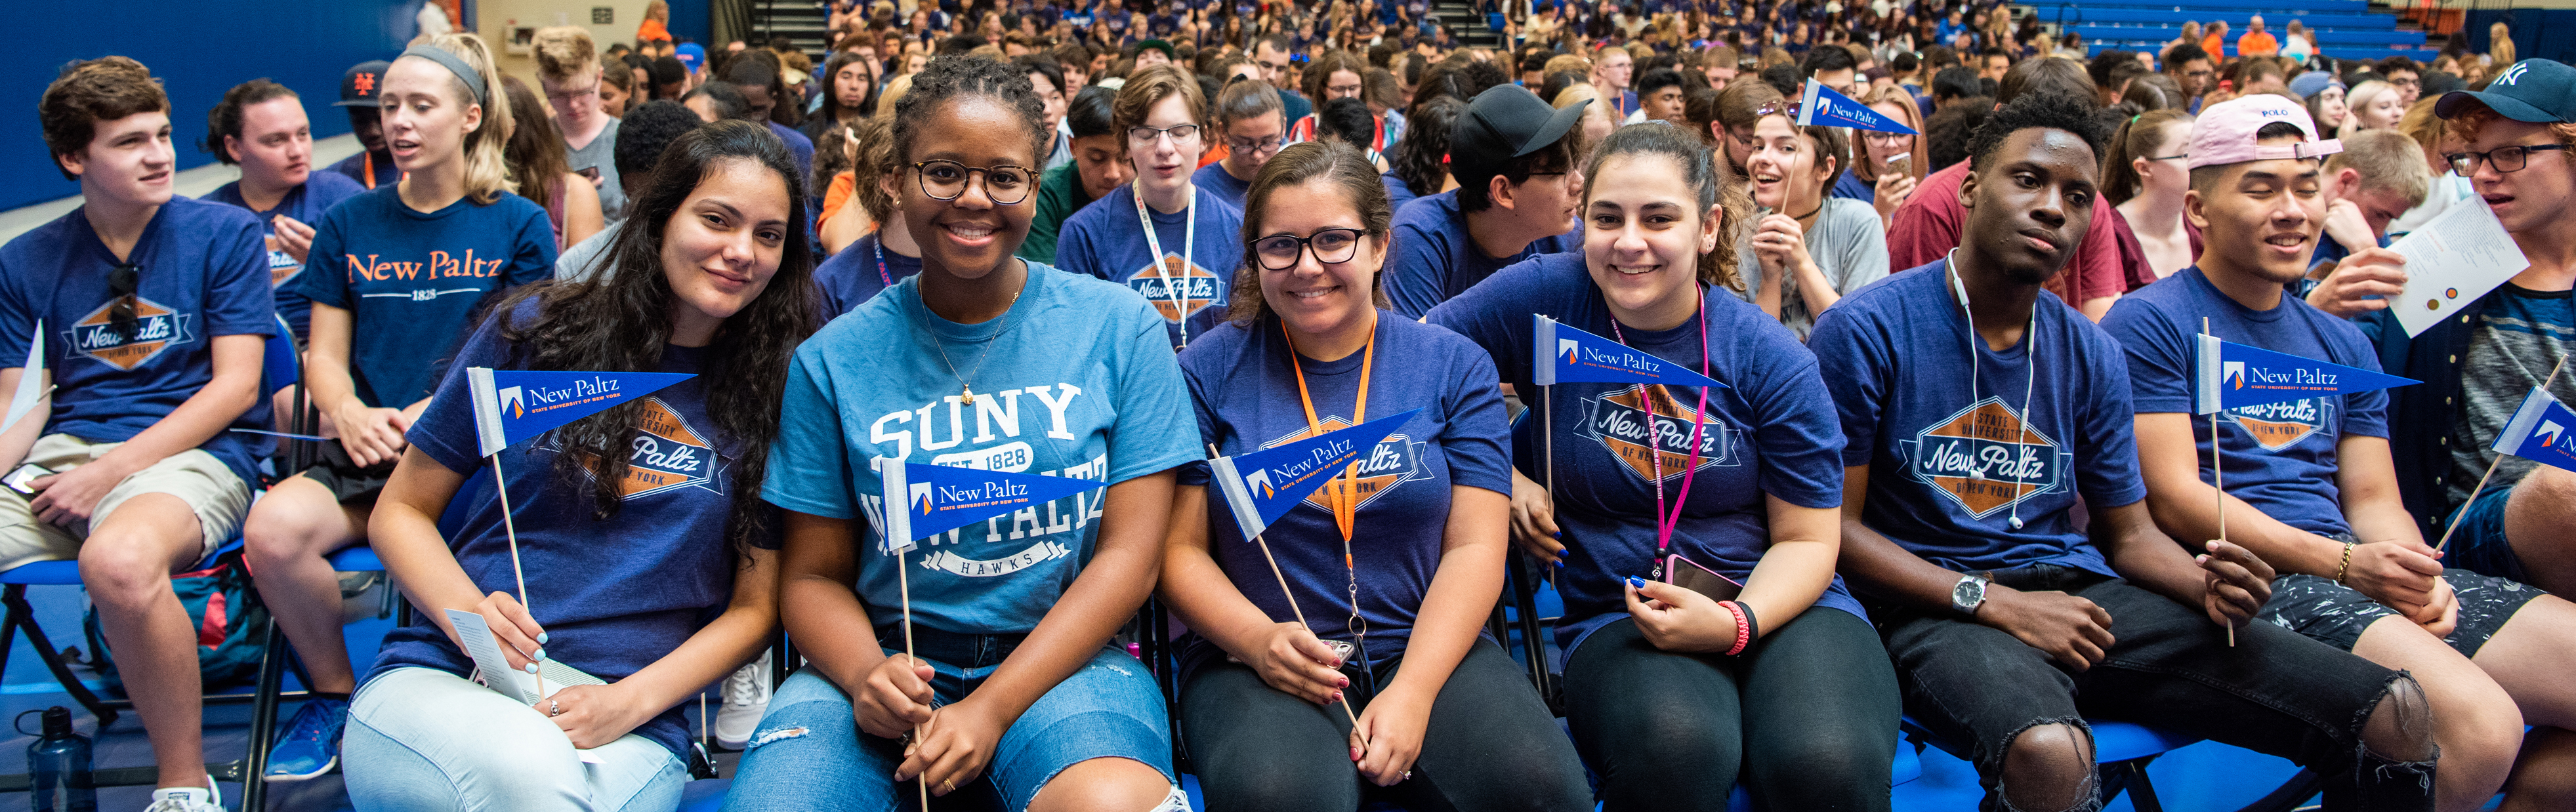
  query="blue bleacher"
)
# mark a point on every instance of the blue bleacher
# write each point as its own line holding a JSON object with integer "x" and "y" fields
{"x": 2345, "y": 29}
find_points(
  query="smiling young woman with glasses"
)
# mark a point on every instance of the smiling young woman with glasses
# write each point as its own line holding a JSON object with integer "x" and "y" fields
{"x": 1157, "y": 235}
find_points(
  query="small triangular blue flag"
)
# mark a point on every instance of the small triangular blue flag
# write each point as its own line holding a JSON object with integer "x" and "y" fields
{"x": 512, "y": 405}
{"x": 1263, "y": 485}
{"x": 1565, "y": 354}
{"x": 2542, "y": 431}
{"x": 926, "y": 500}
{"x": 1826, "y": 107}
{"x": 2232, "y": 375}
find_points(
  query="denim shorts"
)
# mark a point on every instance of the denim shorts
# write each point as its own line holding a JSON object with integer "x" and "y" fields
{"x": 2336, "y": 615}
{"x": 2478, "y": 544}
{"x": 808, "y": 752}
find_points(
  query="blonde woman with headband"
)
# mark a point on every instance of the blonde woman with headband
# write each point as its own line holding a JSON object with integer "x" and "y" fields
{"x": 398, "y": 274}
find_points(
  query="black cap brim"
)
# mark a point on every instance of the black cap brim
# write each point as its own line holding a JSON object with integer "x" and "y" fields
{"x": 2506, "y": 106}
{"x": 1558, "y": 124}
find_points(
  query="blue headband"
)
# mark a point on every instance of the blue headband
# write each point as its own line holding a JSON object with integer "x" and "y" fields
{"x": 454, "y": 64}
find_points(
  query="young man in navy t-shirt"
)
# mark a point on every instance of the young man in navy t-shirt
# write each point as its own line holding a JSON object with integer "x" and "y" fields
{"x": 152, "y": 311}
{"x": 2309, "y": 484}
{"x": 1997, "y": 609}
{"x": 260, "y": 126}
{"x": 374, "y": 163}
{"x": 1514, "y": 159}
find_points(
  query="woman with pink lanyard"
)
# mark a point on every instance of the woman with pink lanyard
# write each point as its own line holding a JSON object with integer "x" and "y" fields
{"x": 1766, "y": 667}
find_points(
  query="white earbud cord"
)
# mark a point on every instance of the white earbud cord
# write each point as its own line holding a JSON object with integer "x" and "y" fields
{"x": 2030, "y": 380}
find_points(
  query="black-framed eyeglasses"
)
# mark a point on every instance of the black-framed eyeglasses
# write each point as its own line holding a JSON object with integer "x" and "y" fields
{"x": 1145, "y": 135}
{"x": 1247, "y": 145}
{"x": 946, "y": 180}
{"x": 121, "y": 281}
{"x": 1279, "y": 252}
{"x": 2504, "y": 159}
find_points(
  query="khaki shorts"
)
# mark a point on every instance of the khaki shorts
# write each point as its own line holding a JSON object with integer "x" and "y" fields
{"x": 219, "y": 497}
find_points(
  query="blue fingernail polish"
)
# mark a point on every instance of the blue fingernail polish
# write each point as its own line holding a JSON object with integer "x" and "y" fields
{"x": 541, "y": 653}
{"x": 532, "y": 668}
{"x": 541, "y": 638}
{"x": 1636, "y": 582}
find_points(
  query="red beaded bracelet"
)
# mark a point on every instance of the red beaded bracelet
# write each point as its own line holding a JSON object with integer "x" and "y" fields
{"x": 1743, "y": 628}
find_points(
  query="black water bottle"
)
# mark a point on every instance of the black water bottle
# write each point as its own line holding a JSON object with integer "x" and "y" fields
{"x": 59, "y": 760}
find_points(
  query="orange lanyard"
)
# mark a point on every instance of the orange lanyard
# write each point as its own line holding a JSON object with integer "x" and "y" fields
{"x": 1342, "y": 493}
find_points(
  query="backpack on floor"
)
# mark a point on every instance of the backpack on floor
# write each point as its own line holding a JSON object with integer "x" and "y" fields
{"x": 225, "y": 610}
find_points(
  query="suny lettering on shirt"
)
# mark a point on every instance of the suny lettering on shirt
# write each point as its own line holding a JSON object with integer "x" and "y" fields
{"x": 998, "y": 417}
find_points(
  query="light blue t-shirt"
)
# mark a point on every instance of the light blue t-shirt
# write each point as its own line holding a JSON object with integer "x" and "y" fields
{"x": 1079, "y": 381}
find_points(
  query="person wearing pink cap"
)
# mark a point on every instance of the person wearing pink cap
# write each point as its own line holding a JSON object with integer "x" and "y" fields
{"x": 2313, "y": 492}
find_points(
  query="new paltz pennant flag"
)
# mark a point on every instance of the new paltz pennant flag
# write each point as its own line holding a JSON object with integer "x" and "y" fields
{"x": 2233, "y": 375}
{"x": 2540, "y": 432}
{"x": 512, "y": 405}
{"x": 1262, "y": 486}
{"x": 1823, "y": 106}
{"x": 926, "y": 500}
{"x": 1563, "y": 354}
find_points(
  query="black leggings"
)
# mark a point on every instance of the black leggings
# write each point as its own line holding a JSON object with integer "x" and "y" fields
{"x": 1490, "y": 745}
{"x": 1807, "y": 716}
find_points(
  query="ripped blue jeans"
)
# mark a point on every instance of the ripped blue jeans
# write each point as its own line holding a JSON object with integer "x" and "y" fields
{"x": 808, "y": 753}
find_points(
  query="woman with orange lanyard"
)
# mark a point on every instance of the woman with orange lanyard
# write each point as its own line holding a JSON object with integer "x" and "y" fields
{"x": 1671, "y": 692}
{"x": 1396, "y": 562}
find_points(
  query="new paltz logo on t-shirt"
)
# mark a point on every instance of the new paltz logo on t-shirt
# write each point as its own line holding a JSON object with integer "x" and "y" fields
{"x": 426, "y": 275}
{"x": 1261, "y": 486}
{"x": 1395, "y": 460}
{"x": 1635, "y": 434}
{"x": 1983, "y": 459}
{"x": 1179, "y": 288}
{"x": 155, "y": 328}
{"x": 669, "y": 454}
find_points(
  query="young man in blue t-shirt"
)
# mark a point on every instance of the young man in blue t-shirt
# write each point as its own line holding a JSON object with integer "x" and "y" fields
{"x": 1997, "y": 609}
{"x": 260, "y": 126}
{"x": 1514, "y": 159}
{"x": 2309, "y": 484}
{"x": 152, "y": 311}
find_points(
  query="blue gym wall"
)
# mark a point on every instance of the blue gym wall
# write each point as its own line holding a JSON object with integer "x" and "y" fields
{"x": 2545, "y": 33}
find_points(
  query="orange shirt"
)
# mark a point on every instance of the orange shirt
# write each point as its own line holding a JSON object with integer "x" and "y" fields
{"x": 843, "y": 186}
{"x": 2257, "y": 43}
{"x": 652, "y": 30}
{"x": 2216, "y": 45}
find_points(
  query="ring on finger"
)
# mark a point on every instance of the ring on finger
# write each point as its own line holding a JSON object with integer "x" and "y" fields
{"x": 554, "y": 707}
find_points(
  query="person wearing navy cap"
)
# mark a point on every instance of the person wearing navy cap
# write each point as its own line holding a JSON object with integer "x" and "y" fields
{"x": 1514, "y": 159}
{"x": 375, "y": 163}
{"x": 2514, "y": 138}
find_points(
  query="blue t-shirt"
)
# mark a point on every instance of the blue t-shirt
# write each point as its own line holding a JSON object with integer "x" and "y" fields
{"x": 355, "y": 168}
{"x": 1213, "y": 179}
{"x": 204, "y": 274}
{"x": 1851, "y": 186}
{"x": 305, "y": 204}
{"x": 1435, "y": 259}
{"x": 2281, "y": 455}
{"x": 1948, "y": 471}
{"x": 1105, "y": 240}
{"x": 1075, "y": 380}
{"x": 1398, "y": 192}
{"x": 858, "y": 273}
{"x": 584, "y": 574}
{"x": 1246, "y": 391}
{"x": 1773, "y": 432}
{"x": 413, "y": 281}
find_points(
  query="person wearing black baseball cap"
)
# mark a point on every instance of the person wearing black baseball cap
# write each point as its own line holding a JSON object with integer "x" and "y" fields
{"x": 374, "y": 163}
{"x": 2515, "y": 141}
{"x": 1513, "y": 157}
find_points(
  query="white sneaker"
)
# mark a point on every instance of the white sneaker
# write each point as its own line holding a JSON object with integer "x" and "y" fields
{"x": 187, "y": 799}
{"x": 746, "y": 697}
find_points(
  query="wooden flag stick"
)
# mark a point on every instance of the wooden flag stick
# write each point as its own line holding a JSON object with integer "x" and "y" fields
{"x": 1291, "y": 595}
{"x": 511, "y": 530}
{"x": 903, "y": 584}
{"x": 2491, "y": 466}
{"x": 2216, "y": 469}
{"x": 1547, "y": 440}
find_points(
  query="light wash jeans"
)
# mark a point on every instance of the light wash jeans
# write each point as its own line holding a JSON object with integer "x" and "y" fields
{"x": 424, "y": 739}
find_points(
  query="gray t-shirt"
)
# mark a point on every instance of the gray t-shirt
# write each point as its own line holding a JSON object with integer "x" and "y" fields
{"x": 2518, "y": 338}
{"x": 1849, "y": 247}
{"x": 601, "y": 154}
{"x": 576, "y": 262}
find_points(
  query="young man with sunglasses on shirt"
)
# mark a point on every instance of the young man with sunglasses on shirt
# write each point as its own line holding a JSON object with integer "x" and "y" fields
{"x": 152, "y": 310}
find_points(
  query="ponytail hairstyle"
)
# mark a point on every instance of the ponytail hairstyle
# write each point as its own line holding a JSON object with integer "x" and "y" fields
{"x": 621, "y": 320}
{"x": 2143, "y": 135}
{"x": 1350, "y": 172}
{"x": 225, "y": 120}
{"x": 1720, "y": 193}
{"x": 487, "y": 171}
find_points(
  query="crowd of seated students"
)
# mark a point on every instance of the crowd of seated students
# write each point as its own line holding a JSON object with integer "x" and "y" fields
{"x": 920, "y": 249}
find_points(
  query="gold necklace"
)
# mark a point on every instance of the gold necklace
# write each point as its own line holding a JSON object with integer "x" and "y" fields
{"x": 942, "y": 346}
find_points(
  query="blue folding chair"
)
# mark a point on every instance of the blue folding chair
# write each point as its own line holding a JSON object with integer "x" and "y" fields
{"x": 2121, "y": 752}
{"x": 277, "y": 371}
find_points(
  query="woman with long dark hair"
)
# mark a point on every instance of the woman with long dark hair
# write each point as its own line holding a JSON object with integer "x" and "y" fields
{"x": 538, "y": 162}
{"x": 712, "y": 277}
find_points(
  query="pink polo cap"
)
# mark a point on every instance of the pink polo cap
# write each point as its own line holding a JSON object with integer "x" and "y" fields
{"x": 2224, "y": 132}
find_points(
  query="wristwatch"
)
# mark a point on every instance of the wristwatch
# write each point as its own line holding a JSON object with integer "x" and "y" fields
{"x": 1969, "y": 593}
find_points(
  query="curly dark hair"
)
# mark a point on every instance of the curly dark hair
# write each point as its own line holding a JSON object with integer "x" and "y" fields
{"x": 225, "y": 118}
{"x": 2054, "y": 111}
{"x": 620, "y": 321}
{"x": 952, "y": 77}
{"x": 1421, "y": 159}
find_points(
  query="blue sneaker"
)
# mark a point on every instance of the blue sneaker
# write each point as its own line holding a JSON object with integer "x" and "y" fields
{"x": 310, "y": 744}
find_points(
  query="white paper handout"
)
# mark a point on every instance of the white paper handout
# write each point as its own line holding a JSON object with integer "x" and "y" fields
{"x": 496, "y": 672}
{"x": 2453, "y": 260}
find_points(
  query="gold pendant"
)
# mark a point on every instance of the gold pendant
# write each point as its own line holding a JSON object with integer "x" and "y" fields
{"x": 970, "y": 394}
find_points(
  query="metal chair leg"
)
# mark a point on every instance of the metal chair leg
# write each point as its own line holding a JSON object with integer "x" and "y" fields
{"x": 263, "y": 717}
{"x": 1524, "y": 587}
{"x": 23, "y": 616}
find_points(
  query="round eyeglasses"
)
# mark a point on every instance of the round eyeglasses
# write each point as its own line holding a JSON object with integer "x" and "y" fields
{"x": 946, "y": 180}
{"x": 1279, "y": 252}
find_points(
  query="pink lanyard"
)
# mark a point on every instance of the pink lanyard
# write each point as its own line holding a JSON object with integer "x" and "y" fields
{"x": 1666, "y": 522}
